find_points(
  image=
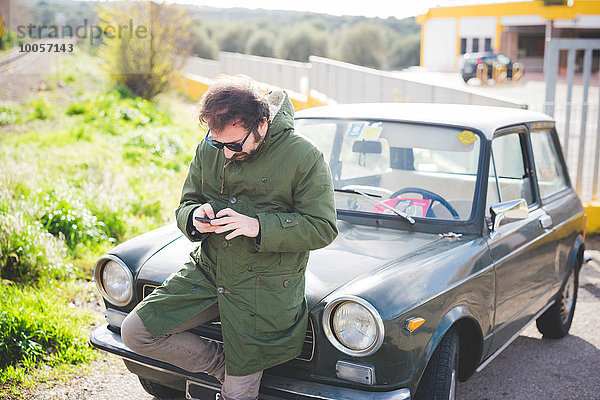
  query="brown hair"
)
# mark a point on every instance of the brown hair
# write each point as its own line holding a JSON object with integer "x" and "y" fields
{"x": 233, "y": 99}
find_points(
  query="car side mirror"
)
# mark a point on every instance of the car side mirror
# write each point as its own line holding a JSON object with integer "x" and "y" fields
{"x": 513, "y": 209}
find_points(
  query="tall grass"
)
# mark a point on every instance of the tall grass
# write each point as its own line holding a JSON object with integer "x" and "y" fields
{"x": 41, "y": 324}
{"x": 28, "y": 252}
{"x": 81, "y": 169}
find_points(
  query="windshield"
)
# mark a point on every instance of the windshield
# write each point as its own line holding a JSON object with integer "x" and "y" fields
{"x": 395, "y": 168}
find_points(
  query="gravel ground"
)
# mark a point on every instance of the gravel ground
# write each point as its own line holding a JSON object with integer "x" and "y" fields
{"x": 530, "y": 368}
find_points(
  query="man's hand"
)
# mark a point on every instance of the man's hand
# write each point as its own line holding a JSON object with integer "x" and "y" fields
{"x": 240, "y": 224}
{"x": 204, "y": 211}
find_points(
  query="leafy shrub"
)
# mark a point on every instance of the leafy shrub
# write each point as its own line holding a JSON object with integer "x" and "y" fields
{"x": 9, "y": 112}
{"x": 66, "y": 216}
{"x": 40, "y": 324}
{"x": 154, "y": 69}
{"x": 115, "y": 113}
{"x": 41, "y": 108}
{"x": 28, "y": 252}
{"x": 159, "y": 146}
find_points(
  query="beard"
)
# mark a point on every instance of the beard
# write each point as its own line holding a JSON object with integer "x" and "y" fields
{"x": 243, "y": 156}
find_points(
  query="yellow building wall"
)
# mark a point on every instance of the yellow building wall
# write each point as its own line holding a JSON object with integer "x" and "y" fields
{"x": 591, "y": 7}
{"x": 592, "y": 209}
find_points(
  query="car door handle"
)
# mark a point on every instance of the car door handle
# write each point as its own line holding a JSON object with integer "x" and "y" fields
{"x": 546, "y": 221}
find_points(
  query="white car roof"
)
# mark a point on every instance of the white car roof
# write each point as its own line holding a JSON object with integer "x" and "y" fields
{"x": 483, "y": 118}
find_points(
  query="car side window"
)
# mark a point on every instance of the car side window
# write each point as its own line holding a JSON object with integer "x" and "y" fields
{"x": 511, "y": 174}
{"x": 550, "y": 174}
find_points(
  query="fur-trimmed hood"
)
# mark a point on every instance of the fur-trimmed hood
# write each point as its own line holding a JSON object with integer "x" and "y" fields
{"x": 281, "y": 117}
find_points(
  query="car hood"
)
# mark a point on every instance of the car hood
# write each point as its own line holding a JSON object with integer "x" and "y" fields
{"x": 357, "y": 251}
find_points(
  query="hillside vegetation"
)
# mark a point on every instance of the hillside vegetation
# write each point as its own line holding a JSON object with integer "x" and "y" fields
{"x": 387, "y": 43}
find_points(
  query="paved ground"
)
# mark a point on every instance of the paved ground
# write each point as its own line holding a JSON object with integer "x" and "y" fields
{"x": 536, "y": 368}
{"x": 24, "y": 73}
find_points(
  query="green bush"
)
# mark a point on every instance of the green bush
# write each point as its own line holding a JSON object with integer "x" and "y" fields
{"x": 159, "y": 146}
{"x": 41, "y": 108}
{"x": 40, "y": 324}
{"x": 65, "y": 216}
{"x": 115, "y": 113}
{"x": 9, "y": 112}
{"x": 28, "y": 252}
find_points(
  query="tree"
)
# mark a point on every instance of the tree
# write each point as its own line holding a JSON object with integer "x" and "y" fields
{"x": 203, "y": 45}
{"x": 301, "y": 41}
{"x": 363, "y": 44}
{"x": 406, "y": 52}
{"x": 233, "y": 37}
{"x": 147, "y": 54}
{"x": 2, "y": 30}
{"x": 261, "y": 43}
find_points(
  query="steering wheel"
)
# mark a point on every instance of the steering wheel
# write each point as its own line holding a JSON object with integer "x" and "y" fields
{"x": 428, "y": 195}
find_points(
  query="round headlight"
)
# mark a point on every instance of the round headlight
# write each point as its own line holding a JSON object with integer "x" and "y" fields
{"x": 115, "y": 281}
{"x": 353, "y": 326}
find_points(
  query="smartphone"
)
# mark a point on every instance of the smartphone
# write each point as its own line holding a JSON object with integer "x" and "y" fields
{"x": 202, "y": 219}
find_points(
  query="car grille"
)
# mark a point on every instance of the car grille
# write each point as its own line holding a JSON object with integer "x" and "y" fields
{"x": 212, "y": 330}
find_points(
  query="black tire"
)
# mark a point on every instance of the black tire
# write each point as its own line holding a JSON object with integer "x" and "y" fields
{"x": 556, "y": 321}
{"x": 159, "y": 391}
{"x": 441, "y": 374}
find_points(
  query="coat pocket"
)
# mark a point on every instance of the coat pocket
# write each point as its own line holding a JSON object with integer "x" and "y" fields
{"x": 279, "y": 302}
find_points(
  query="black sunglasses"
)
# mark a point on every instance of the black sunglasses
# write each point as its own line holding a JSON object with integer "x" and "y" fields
{"x": 233, "y": 146}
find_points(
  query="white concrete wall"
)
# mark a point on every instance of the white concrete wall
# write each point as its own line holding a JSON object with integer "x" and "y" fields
{"x": 477, "y": 27}
{"x": 439, "y": 45}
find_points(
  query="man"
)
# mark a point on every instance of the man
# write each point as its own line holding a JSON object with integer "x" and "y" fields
{"x": 269, "y": 195}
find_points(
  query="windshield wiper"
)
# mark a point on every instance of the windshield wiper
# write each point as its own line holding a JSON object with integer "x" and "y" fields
{"x": 371, "y": 197}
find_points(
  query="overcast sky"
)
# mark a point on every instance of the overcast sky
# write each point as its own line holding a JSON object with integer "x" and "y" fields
{"x": 368, "y": 8}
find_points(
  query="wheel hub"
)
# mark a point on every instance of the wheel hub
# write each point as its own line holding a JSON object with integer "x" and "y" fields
{"x": 568, "y": 296}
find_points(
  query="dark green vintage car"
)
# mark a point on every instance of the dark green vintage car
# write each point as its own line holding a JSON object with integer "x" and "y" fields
{"x": 458, "y": 227}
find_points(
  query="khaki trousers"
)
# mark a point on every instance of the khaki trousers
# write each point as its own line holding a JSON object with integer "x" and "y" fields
{"x": 190, "y": 352}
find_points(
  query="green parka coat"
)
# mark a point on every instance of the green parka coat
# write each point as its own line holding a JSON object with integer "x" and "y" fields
{"x": 259, "y": 286}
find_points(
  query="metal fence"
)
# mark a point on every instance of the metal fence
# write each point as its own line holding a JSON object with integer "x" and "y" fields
{"x": 348, "y": 83}
{"x": 576, "y": 108}
{"x": 291, "y": 75}
{"x": 202, "y": 67}
{"x": 340, "y": 81}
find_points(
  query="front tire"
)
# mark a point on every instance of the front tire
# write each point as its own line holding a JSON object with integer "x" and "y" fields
{"x": 556, "y": 321}
{"x": 159, "y": 391}
{"x": 441, "y": 374}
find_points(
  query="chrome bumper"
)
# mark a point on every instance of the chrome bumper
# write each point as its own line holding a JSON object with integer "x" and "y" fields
{"x": 274, "y": 386}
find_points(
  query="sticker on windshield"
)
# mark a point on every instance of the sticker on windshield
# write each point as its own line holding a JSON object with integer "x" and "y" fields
{"x": 372, "y": 132}
{"x": 467, "y": 137}
{"x": 362, "y": 130}
{"x": 356, "y": 130}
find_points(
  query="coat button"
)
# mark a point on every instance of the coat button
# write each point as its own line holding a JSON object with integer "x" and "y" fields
{"x": 220, "y": 290}
{"x": 233, "y": 200}
{"x": 194, "y": 288}
{"x": 288, "y": 220}
{"x": 263, "y": 179}
{"x": 286, "y": 283}
{"x": 250, "y": 269}
{"x": 252, "y": 314}
{"x": 224, "y": 244}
